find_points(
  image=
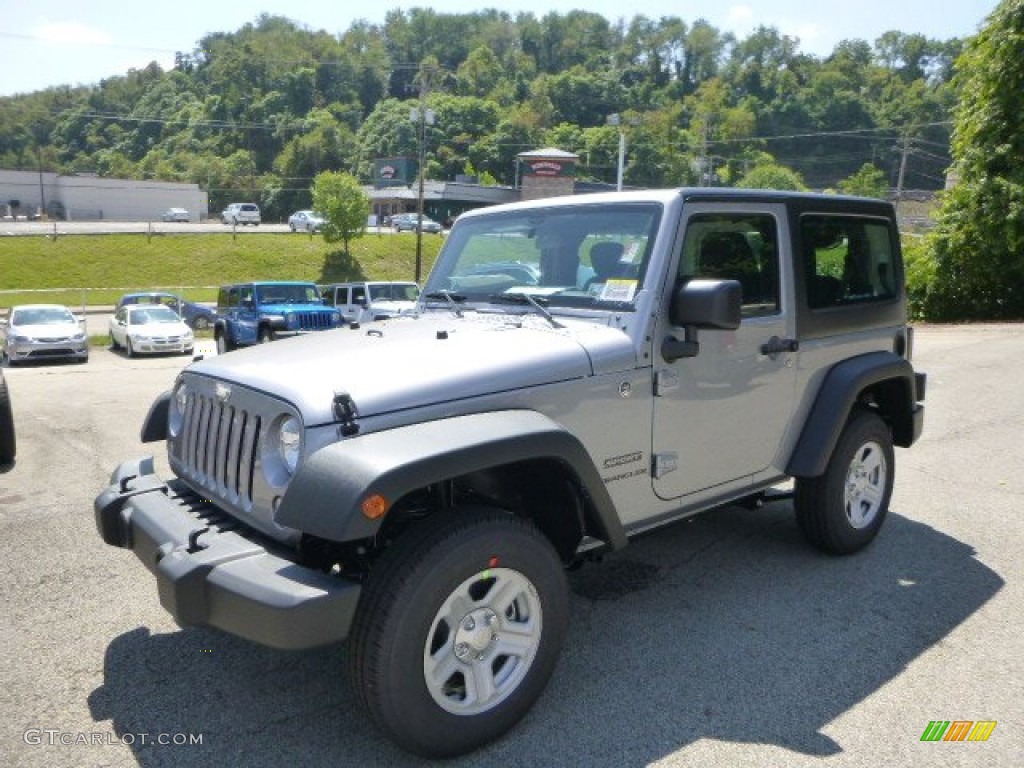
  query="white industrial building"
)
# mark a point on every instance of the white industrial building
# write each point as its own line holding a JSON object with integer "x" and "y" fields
{"x": 92, "y": 198}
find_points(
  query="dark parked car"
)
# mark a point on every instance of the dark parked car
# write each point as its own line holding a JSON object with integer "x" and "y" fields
{"x": 197, "y": 316}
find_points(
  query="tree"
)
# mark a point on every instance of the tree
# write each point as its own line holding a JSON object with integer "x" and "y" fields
{"x": 772, "y": 176}
{"x": 869, "y": 181}
{"x": 979, "y": 241}
{"x": 340, "y": 199}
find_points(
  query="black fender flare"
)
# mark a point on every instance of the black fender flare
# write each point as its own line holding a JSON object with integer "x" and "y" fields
{"x": 154, "y": 426}
{"x": 837, "y": 396}
{"x": 325, "y": 497}
{"x": 220, "y": 327}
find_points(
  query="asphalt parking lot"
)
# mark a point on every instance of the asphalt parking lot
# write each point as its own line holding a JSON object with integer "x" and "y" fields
{"x": 722, "y": 641}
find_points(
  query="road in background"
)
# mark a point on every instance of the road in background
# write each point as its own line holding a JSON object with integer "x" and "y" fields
{"x": 50, "y": 228}
{"x": 722, "y": 641}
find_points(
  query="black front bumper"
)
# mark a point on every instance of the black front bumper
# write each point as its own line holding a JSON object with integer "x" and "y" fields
{"x": 210, "y": 571}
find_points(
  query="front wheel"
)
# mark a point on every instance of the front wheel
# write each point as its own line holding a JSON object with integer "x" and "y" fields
{"x": 8, "y": 441}
{"x": 842, "y": 510}
{"x": 129, "y": 350}
{"x": 458, "y": 631}
{"x": 224, "y": 344}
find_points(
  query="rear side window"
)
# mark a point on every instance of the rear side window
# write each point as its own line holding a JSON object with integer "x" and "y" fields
{"x": 847, "y": 260}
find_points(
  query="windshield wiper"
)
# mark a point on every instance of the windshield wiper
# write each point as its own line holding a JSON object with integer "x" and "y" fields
{"x": 453, "y": 299}
{"x": 525, "y": 298}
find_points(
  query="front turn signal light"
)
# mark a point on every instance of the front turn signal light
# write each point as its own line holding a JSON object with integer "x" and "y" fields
{"x": 375, "y": 506}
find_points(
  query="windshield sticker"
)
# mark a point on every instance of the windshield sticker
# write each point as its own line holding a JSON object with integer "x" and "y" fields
{"x": 618, "y": 290}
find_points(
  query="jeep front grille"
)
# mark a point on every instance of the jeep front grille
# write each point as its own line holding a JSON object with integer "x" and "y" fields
{"x": 316, "y": 321}
{"x": 219, "y": 449}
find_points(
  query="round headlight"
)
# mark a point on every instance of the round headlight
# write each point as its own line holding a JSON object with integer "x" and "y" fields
{"x": 179, "y": 402}
{"x": 289, "y": 443}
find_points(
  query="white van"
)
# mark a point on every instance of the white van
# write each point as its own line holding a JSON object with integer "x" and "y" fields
{"x": 367, "y": 301}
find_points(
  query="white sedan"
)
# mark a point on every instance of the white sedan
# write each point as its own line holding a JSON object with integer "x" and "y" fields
{"x": 149, "y": 329}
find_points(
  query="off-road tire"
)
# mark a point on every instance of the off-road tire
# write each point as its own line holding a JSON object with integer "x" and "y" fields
{"x": 417, "y": 613}
{"x": 842, "y": 511}
{"x": 223, "y": 342}
{"x": 8, "y": 442}
{"x": 266, "y": 335}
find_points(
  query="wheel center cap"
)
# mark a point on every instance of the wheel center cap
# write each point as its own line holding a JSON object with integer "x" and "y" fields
{"x": 476, "y": 632}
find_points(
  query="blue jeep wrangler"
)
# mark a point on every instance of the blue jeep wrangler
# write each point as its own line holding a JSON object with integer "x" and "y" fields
{"x": 258, "y": 312}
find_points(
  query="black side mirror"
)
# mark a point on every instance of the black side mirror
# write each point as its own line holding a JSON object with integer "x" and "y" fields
{"x": 701, "y": 303}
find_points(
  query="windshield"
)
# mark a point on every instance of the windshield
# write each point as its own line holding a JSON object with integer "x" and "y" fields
{"x": 152, "y": 315}
{"x": 42, "y": 316}
{"x": 287, "y": 294}
{"x": 394, "y": 292}
{"x": 571, "y": 255}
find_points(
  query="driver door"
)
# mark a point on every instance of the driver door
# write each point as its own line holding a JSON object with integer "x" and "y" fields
{"x": 721, "y": 415}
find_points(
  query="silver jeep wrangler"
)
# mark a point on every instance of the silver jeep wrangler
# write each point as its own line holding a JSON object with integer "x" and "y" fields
{"x": 578, "y": 370}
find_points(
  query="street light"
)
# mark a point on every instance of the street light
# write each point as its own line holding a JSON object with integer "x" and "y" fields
{"x": 616, "y": 120}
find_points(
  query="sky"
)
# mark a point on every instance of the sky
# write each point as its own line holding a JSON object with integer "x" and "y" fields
{"x": 71, "y": 42}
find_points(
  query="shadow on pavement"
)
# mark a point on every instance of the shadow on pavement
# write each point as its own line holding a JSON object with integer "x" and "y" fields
{"x": 726, "y": 627}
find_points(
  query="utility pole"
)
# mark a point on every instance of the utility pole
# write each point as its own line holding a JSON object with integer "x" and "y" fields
{"x": 903, "y": 169}
{"x": 422, "y": 116}
{"x": 42, "y": 194}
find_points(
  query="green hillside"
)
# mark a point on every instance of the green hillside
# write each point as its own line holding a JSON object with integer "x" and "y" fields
{"x": 96, "y": 269}
{"x": 257, "y": 113}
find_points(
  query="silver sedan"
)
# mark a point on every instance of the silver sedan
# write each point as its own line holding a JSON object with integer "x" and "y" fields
{"x": 305, "y": 221}
{"x": 43, "y": 332}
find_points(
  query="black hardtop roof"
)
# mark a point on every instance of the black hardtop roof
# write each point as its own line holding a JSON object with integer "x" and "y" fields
{"x": 801, "y": 199}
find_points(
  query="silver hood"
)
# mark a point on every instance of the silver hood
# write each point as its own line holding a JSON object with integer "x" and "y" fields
{"x": 410, "y": 362}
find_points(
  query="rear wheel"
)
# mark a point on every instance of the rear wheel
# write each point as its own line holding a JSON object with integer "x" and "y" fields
{"x": 266, "y": 335}
{"x": 458, "y": 631}
{"x": 8, "y": 443}
{"x": 842, "y": 510}
{"x": 201, "y": 323}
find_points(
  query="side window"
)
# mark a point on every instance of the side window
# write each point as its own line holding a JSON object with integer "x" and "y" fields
{"x": 847, "y": 260}
{"x": 741, "y": 247}
{"x": 358, "y": 294}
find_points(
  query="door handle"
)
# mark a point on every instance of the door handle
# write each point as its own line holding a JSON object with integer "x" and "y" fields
{"x": 775, "y": 345}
